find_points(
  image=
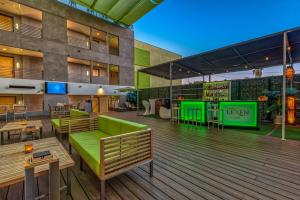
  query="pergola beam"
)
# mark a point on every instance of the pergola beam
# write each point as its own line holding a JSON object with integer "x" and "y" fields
{"x": 243, "y": 58}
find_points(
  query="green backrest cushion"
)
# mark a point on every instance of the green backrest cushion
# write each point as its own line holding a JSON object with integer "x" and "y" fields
{"x": 114, "y": 126}
{"x": 102, "y": 120}
{"x": 77, "y": 113}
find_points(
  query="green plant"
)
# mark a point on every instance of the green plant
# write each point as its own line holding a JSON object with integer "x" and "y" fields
{"x": 274, "y": 102}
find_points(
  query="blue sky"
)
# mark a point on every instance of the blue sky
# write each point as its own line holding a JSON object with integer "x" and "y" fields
{"x": 193, "y": 26}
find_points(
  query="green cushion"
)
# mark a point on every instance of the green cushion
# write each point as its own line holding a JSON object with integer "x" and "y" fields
{"x": 55, "y": 123}
{"x": 87, "y": 144}
{"x": 74, "y": 113}
{"x": 115, "y": 126}
{"x": 102, "y": 120}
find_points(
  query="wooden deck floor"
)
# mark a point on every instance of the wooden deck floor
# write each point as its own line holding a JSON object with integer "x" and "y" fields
{"x": 196, "y": 163}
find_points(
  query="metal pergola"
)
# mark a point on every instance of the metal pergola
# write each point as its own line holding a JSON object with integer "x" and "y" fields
{"x": 277, "y": 49}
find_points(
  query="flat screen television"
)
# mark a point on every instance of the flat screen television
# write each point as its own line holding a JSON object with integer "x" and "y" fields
{"x": 56, "y": 88}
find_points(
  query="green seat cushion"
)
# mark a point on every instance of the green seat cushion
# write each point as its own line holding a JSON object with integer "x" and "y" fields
{"x": 74, "y": 113}
{"x": 55, "y": 123}
{"x": 87, "y": 144}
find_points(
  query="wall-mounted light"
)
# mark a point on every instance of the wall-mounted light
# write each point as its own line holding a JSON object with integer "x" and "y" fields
{"x": 4, "y": 49}
{"x": 87, "y": 44}
{"x": 100, "y": 90}
{"x": 16, "y": 26}
{"x": 87, "y": 73}
{"x": 20, "y": 102}
{"x": 267, "y": 58}
{"x": 18, "y": 65}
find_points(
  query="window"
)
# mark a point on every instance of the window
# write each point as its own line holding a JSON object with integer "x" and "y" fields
{"x": 114, "y": 75}
{"x": 6, "y": 67}
{"x": 6, "y": 23}
{"x": 8, "y": 100}
{"x": 99, "y": 69}
{"x": 113, "y": 44}
{"x": 96, "y": 72}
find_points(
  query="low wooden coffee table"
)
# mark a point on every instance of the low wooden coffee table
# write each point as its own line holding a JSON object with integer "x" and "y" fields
{"x": 22, "y": 126}
{"x": 12, "y": 161}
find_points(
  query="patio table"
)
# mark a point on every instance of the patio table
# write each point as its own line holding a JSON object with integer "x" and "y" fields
{"x": 21, "y": 125}
{"x": 12, "y": 156}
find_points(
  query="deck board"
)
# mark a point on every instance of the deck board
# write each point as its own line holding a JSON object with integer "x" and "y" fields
{"x": 194, "y": 163}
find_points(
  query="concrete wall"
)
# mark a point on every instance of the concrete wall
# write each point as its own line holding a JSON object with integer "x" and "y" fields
{"x": 158, "y": 56}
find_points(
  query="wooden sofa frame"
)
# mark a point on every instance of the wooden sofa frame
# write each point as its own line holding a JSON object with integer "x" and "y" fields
{"x": 64, "y": 119}
{"x": 120, "y": 153}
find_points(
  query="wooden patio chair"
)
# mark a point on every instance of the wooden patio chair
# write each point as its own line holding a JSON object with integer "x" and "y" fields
{"x": 19, "y": 110}
{"x": 4, "y": 111}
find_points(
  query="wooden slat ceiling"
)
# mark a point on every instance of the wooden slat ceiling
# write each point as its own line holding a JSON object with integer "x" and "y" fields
{"x": 123, "y": 11}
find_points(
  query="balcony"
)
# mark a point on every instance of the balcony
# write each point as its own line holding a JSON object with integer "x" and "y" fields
{"x": 93, "y": 39}
{"x": 20, "y": 19}
{"x": 20, "y": 63}
{"x": 84, "y": 71}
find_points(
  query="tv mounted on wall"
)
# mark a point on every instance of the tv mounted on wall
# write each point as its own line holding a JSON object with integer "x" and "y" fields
{"x": 56, "y": 88}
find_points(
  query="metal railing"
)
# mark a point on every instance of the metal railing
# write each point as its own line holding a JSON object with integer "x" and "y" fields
{"x": 29, "y": 30}
{"x": 20, "y": 73}
{"x": 78, "y": 42}
{"x": 79, "y": 78}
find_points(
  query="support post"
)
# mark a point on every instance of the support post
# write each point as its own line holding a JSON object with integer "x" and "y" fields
{"x": 171, "y": 90}
{"x": 54, "y": 181}
{"x": 29, "y": 184}
{"x": 102, "y": 189}
{"x": 137, "y": 92}
{"x": 203, "y": 78}
{"x": 284, "y": 85}
{"x": 209, "y": 78}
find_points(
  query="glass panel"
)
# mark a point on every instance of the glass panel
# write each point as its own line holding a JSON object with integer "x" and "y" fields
{"x": 6, "y": 23}
{"x": 6, "y": 67}
{"x": 113, "y": 44}
{"x": 114, "y": 75}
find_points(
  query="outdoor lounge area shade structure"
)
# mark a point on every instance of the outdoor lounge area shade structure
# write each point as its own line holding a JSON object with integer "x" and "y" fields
{"x": 123, "y": 11}
{"x": 258, "y": 53}
{"x": 277, "y": 49}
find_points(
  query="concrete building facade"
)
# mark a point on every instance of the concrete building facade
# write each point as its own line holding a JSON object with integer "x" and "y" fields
{"x": 44, "y": 41}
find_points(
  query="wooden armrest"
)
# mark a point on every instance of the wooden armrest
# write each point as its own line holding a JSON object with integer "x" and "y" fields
{"x": 121, "y": 153}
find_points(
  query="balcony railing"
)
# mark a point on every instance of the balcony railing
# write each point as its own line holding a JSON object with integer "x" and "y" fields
{"x": 78, "y": 42}
{"x": 78, "y": 78}
{"x": 21, "y": 73}
{"x": 29, "y": 30}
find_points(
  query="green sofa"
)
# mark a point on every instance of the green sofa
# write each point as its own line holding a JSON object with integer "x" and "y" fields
{"x": 112, "y": 146}
{"x": 61, "y": 124}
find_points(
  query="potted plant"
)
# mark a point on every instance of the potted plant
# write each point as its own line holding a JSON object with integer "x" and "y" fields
{"x": 274, "y": 110}
{"x": 275, "y": 106}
